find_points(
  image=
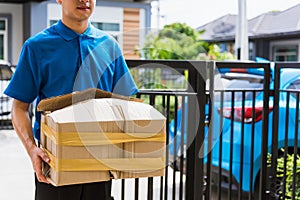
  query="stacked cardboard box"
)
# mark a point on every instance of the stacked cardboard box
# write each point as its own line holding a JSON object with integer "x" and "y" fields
{"x": 100, "y": 139}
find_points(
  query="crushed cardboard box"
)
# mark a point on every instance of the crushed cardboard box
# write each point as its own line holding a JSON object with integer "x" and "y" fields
{"x": 99, "y": 139}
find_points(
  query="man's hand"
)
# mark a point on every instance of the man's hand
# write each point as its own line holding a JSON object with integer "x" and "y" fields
{"x": 37, "y": 156}
{"x": 23, "y": 127}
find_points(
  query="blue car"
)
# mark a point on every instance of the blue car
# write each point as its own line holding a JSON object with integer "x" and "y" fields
{"x": 252, "y": 80}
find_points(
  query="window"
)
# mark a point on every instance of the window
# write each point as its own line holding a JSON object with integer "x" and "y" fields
{"x": 107, "y": 26}
{"x": 112, "y": 28}
{"x": 3, "y": 39}
{"x": 251, "y": 51}
{"x": 52, "y": 21}
{"x": 1, "y": 47}
{"x": 285, "y": 53}
{"x": 2, "y": 25}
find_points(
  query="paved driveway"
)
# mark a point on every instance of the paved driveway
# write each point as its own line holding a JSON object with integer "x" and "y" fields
{"x": 16, "y": 174}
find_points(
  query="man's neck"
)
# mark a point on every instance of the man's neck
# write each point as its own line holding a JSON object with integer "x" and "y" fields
{"x": 79, "y": 27}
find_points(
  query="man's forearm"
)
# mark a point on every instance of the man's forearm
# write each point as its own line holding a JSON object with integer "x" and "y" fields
{"x": 22, "y": 124}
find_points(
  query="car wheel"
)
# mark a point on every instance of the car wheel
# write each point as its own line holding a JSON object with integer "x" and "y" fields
{"x": 277, "y": 187}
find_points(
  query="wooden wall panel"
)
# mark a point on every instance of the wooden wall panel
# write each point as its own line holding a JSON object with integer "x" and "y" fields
{"x": 131, "y": 32}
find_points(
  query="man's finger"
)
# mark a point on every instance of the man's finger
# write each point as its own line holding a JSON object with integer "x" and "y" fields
{"x": 44, "y": 156}
{"x": 41, "y": 177}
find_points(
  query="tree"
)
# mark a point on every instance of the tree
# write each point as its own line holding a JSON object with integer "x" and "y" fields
{"x": 180, "y": 42}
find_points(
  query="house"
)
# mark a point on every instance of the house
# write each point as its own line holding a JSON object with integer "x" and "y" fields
{"x": 126, "y": 20}
{"x": 274, "y": 35}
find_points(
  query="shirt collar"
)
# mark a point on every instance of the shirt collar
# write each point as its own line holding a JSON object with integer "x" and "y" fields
{"x": 89, "y": 31}
{"x": 69, "y": 34}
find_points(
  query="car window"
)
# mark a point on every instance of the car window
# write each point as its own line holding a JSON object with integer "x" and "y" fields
{"x": 239, "y": 81}
{"x": 295, "y": 85}
{"x": 5, "y": 73}
{"x": 237, "y": 84}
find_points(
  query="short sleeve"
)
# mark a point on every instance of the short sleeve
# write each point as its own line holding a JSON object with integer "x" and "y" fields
{"x": 123, "y": 82}
{"x": 24, "y": 83}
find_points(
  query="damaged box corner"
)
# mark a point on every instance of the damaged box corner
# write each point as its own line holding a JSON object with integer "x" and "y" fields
{"x": 99, "y": 139}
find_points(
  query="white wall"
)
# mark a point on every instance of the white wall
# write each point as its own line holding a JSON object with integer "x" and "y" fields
{"x": 16, "y": 10}
{"x": 54, "y": 12}
{"x": 143, "y": 28}
{"x": 108, "y": 14}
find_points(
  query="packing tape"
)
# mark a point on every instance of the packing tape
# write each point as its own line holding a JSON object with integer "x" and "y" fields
{"x": 119, "y": 164}
{"x": 98, "y": 138}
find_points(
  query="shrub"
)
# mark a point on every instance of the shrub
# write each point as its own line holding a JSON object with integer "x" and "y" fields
{"x": 288, "y": 176}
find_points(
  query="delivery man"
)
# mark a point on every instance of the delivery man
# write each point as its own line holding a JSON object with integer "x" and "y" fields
{"x": 71, "y": 55}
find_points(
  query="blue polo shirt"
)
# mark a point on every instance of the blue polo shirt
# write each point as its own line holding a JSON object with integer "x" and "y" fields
{"x": 58, "y": 61}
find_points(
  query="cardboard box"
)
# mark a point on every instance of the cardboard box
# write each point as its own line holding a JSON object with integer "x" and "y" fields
{"x": 100, "y": 139}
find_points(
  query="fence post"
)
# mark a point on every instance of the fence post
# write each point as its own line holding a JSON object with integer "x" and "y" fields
{"x": 195, "y": 133}
{"x": 265, "y": 129}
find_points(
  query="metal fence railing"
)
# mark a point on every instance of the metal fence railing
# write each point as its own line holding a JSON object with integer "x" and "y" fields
{"x": 284, "y": 162}
{"x": 236, "y": 142}
{"x": 181, "y": 106}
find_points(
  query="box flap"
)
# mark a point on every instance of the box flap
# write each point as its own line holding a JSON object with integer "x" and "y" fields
{"x": 59, "y": 102}
{"x": 108, "y": 109}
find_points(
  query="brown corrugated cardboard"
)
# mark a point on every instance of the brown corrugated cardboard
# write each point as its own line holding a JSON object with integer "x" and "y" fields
{"x": 142, "y": 150}
{"x": 62, "y": 101}
{"x": 99, "y": 139}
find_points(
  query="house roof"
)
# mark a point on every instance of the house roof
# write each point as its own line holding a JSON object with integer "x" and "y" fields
{"x": 220, "y": 28}
{"x": 266, "y": 25}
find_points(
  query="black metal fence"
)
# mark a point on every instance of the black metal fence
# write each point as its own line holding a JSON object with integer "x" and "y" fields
{"x": 234, "y": 137}
{"x": 182, "y": 163}
{"x": 284, "y": 163}
{"x": 237, "y": 143}
{"x": 233, "y": 130}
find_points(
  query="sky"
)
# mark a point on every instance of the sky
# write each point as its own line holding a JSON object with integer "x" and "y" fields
{"x": 196, "y": 13}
